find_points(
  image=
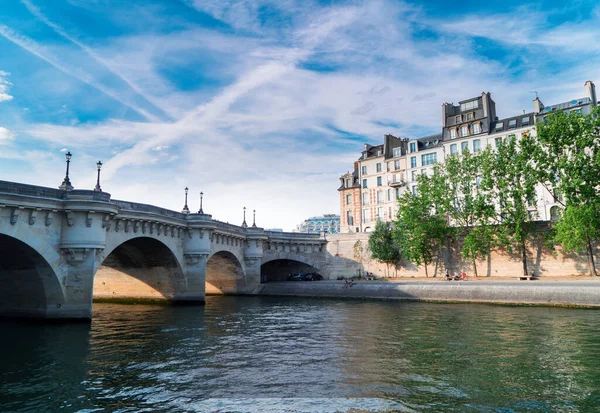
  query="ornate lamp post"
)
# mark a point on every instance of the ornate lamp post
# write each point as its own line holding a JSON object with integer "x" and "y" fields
{"x": 66, "y": 185}
{"x": 185, "y": 209}
{"x": 244, "y": 225}
{"x": 97, "y": 188}
{"x": 201, "y": 211}
{"x": 254, "y": 218}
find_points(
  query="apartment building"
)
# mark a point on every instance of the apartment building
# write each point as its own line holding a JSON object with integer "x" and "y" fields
{"x": 383, "y": 172}
{"x": 328, "y": 223}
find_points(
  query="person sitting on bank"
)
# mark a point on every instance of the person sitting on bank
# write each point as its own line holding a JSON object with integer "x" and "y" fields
{"x": 448, "y": 278}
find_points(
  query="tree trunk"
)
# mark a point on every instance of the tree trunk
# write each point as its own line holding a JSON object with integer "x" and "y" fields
{"x": 524, "y": 257}
{"x": 426, "y": 273}
{"x": 591, "y": 263}
{"x": 475, "y": 267}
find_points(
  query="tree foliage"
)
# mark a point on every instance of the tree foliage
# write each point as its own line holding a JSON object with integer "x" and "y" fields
{"x": 420, "y": 228}
{"x": 382, "y": 245}
{"x": 567, "y": 156}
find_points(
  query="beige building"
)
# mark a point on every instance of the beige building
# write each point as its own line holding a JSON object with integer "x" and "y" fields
{"x": 383, "y": 172}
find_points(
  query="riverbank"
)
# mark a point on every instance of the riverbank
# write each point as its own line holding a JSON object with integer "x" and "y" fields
{"x": 577, "y": 292}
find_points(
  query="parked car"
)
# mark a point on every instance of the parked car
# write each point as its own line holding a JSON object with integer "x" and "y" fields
{"x": 296, "y": 277}
{"x": 313, "y": 276}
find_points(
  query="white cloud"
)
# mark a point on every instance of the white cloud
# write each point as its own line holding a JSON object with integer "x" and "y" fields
{"x": 6, "y": 135}
{"x": 4, "y": 86}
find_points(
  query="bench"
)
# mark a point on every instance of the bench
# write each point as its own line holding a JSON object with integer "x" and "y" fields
{"x": 526, "y": 277}
{"x": 369, "y": 278}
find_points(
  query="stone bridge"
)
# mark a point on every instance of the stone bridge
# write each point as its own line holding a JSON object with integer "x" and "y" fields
{"x": 60, "y": 249}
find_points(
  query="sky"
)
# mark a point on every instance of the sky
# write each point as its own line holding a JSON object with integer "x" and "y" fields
{"x": 262, "y": 103}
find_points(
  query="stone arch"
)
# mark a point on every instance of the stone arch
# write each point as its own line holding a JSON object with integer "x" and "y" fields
{"x": 29, "y": 285}
{"x": 278, "y": 268}
{"x": 139, "y": 268}
{"x": 225, "y": 273}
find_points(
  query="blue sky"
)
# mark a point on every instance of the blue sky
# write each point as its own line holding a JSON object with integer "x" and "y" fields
{"x": 262, "y": 103}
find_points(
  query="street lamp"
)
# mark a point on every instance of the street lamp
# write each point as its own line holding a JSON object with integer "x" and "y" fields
{"x": 185, "y": 209}
{"x": 99, "y": 166}
{"x": 201, "y": 211}
{"x": 254, "y": 218}
{"x": 244, "y": 225}
{"x": 66, "y": 185}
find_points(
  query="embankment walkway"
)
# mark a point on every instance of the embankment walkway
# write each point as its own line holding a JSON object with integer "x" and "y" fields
{"x": 566, "y": 292}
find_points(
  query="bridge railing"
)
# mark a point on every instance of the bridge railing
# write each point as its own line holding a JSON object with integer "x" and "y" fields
{"x": 291, "y": 235}
{"x": 134, "y": 206}
{"x": 227, "y": 226}
{"x": 15, "y": 188}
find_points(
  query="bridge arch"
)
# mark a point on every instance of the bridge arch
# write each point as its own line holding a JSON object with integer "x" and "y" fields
{"x": 29, "y": 285}
{"x": 225, "y": 273}
{"x": 140, "y": 267}
{"x": 278, "y": 268}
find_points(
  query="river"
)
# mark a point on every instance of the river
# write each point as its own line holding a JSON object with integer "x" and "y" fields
{"x": 270, "y": 354}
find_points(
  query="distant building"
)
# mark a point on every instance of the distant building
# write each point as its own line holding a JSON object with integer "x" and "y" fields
{"x": 330, "y": 223}
{"x": 275, "y": 230}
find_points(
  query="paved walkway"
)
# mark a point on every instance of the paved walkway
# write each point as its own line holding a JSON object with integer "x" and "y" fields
{"x": 576, "y": 291}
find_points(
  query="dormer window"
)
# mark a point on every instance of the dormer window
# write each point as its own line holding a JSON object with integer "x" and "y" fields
{"x": 469, "y": 116}
{"x": 464, "y": 131}
{"x": 525, "y": 121}
{"x": 499, "y": 126}
{"x": 452, "y": 133}
{"x": 476, "y": 128}
{"x": 512, "y": 124}
{"x": 457, "y": 119}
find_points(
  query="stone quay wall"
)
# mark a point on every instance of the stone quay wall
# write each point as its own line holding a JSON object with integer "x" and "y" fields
{"x": 349, "y": 255}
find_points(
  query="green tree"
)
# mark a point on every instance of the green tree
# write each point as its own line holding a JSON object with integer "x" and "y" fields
{"x": 419, "y": 228}
{"x": 567, "y": 160}
{"x": 382, "y": 245}
{"x": 466, "y": 202}
{"x": 512, "y": 183}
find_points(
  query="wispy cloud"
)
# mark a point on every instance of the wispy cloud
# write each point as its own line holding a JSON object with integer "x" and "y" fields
{"x": 4, "y": 86}
{"x": 5, "y": 135}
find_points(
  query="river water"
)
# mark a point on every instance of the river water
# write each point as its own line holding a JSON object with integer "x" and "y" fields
{"x": 266, "y": 354}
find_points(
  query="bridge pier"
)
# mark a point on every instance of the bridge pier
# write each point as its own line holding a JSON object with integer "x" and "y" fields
{"x": 78, "y": 269}
{"x": 195, "y": 277}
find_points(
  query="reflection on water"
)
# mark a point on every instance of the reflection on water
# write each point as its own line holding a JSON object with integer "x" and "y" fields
{"x": 266, "y": 354}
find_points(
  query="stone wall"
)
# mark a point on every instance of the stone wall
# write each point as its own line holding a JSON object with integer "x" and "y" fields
{"x": 349, "y": 254}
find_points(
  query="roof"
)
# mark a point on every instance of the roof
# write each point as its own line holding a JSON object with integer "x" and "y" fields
{"x": 566, "y": 105}
{"x": 514, "y": 122}
{"x": 428, "y": 142}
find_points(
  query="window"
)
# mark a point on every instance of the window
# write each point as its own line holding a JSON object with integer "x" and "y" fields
{"x": 413, "y": 147}
{"x": 413, "y": 162}
{"x": 389, "y": 194}
{"x": 379, "y": 152}
{"x": 511, "y": 138}
{"x": 464, "y": 147}
{"x": 348, "y": 185}
{"x": 380, "y": 213}
{"x": 414, "y": 190}
{"x": 499, "y": 126}
{"x": 387, "y": 165}
{"x": 365, "y": 216}
{"x": 364, "y": 170}
{"x": 413, "y": 175}
{"x": 474, "y": 104}
{"x": 349, "y": 218}
{"x": 557, "y": 195}
{"x": 378, "y": 181}
{"x": 476, "y": 128}
{"x": 525, "y": 121}
{"x": 364, "y": 183}
{"x": 469, "y": 116}
{"x": 476, "y": 145}
{"x": 380, "y": 197}
{"x": 512, "y": 124}
{"x": 348, "y": 199}
{"x": 452, "y": 133}
{"x": 498, "y": 141}
{"x": 365, "y": 199}
{"x": 428, "y": 159}
{"x": 378, "y": 167}
{"x": 396, "y": 152}
{"x": 453, "y": 149}
{"x": 554, "y": 213}
{"x": 397, "y": 164}
{"x": 464, "y": 131}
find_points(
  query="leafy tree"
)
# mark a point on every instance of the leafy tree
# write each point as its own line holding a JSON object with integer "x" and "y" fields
{"x": 567, "y": 160}
{"x": 463, "y": 198}
{"x": 419, "y": 228}
{"x": 382, "y": 245}
{"x": 512, "y": 182}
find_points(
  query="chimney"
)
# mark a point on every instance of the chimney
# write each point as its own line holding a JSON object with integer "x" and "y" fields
{"x": 446, "y": 112}
{"x": 591, "y": 91}
{"x": 537, "y": 105}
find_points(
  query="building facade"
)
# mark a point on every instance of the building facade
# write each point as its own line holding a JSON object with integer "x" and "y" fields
{"x": 328, "y": 223}
{"x": 384, "y": 172}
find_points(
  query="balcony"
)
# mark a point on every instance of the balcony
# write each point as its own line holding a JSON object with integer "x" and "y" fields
{"x": 397, "y": 182}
